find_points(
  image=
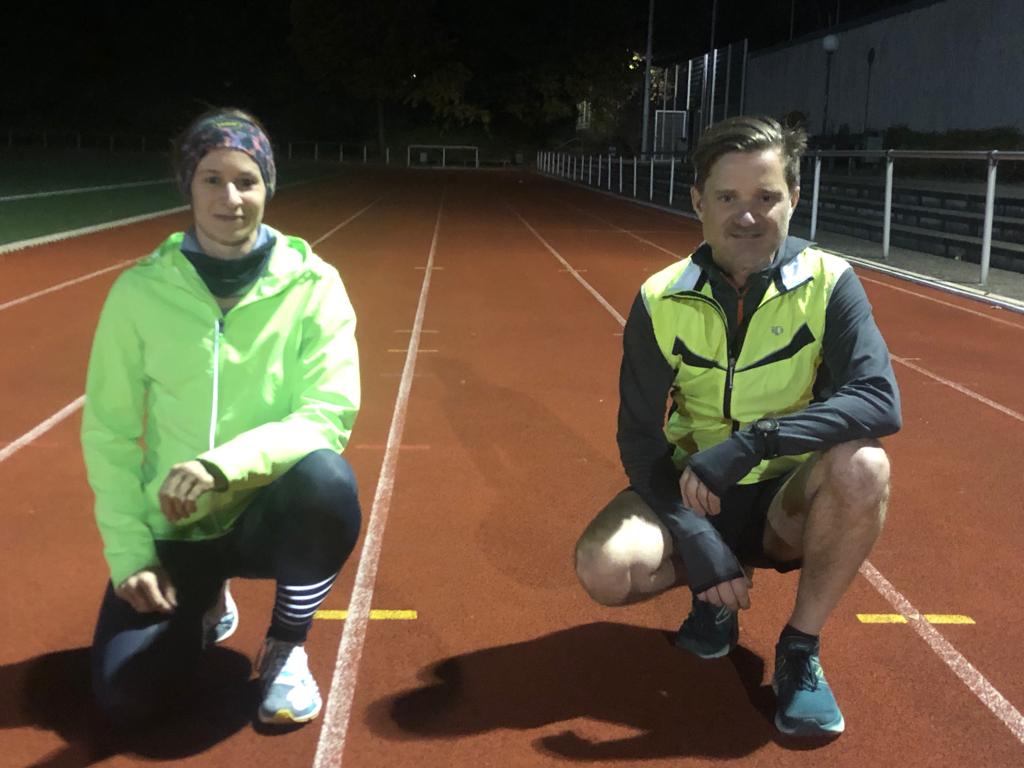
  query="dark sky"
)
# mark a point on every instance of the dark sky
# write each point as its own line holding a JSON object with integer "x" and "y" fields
{"x": 135, "y": 64}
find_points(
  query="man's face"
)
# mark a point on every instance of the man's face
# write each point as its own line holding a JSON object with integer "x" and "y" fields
{"x": 745, "y": 208}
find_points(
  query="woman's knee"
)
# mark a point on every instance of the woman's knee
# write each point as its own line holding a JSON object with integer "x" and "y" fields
{"x": 324, "y": 487}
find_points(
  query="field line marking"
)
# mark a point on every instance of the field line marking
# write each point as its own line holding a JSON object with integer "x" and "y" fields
{"x": 959, "y": 388}
{"x": 1018, "y": 326}
{"x": 338, "y": 711}
{"x": 78, "y": 190}
{"x": 961, "y": 667}
{"x": 600, "y": 299}
{"x": 40, "y": 429}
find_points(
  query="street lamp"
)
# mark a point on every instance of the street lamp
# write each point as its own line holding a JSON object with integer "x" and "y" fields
{"x": 831, "y": 44}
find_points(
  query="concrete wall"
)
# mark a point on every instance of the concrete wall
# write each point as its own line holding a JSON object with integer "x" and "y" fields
{"x": 950, "y": 64}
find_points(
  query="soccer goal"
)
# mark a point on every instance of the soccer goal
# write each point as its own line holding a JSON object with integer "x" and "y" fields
{"x": 442, "y": 156}
{"x": 670, "y": 136}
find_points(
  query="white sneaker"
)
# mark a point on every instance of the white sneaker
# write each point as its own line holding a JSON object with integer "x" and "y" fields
{"x": 290, "y": 694}
{"x": 221, "y": 621}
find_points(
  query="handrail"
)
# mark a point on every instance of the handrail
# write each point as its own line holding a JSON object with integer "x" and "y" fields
{"x": 921, "y": 154}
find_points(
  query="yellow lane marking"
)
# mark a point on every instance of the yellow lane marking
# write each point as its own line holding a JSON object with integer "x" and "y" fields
{"x": 381, "y": 447}
{"x": 374, "y": 614}
{"x": 881, "y": 618}
{"x": 896, "y": 618}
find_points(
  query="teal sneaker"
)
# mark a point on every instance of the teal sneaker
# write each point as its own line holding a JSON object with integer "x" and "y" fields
{"x": 709, "y": 632}
{"x": 806, "y": 706}
{"x": 221, "y": 621}
{"x": 290, "y": 694}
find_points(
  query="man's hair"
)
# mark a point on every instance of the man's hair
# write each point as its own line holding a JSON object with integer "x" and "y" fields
{"x": 750, "y": 134}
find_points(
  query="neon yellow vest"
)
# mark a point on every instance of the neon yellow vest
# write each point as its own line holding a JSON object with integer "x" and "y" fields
{"x": 717, "y": 391}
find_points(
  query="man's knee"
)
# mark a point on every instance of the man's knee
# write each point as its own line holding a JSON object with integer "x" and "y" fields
{"x": 858, "y": 471}
{"x": 602, "y": 577}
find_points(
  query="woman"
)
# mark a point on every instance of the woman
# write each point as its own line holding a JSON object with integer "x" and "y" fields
{"x": 223, "y": 383}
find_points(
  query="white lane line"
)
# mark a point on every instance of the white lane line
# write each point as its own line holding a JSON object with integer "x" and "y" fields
{"x": 987, "y": 316}
{"x": 961, "y": 667}
{"x": 67, "y": 235}
{"x": 65, "y": 284}
{"x": 77, "y": 190}
{"x": 40, "y": 429}
{"x": 331, "y": 745}
{"x": 600, "y": 299}
{"x": 959, "y": 388}
{"x": 984, "y": 690}
{"x": 45, "y": 426}
{"x": 351, "y": 218}
{"x": 635, "y": 236}
{"x": 122, "y": 264}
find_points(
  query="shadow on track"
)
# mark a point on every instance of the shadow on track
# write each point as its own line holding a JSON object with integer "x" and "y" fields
{"x": 603, "y": 672}
{"x": 52, "y": 692}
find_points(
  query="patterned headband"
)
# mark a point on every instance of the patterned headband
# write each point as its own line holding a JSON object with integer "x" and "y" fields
{"x": 226, "y": 132}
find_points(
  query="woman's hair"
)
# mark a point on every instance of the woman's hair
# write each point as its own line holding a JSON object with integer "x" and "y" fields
{"x": 222, "y": 127}
{"x": 750, "y": 134}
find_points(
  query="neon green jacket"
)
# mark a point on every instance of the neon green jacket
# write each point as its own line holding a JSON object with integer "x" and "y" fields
{"x": 171, "y": 378}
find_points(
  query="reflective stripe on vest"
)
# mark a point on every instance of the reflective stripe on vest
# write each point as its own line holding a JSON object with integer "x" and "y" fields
{"x": 718, "y": 389}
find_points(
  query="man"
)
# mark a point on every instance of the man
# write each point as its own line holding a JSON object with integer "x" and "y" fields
{"x": 781, "y": 385}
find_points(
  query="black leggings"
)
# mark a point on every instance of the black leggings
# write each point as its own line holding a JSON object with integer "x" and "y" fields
{"x": 298, "y": 530}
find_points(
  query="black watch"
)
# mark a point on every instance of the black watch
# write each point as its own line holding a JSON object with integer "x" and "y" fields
{"x": 767, "y": 432}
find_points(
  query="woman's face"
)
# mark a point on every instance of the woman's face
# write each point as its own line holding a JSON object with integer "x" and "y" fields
{"x": 228, "y": 197}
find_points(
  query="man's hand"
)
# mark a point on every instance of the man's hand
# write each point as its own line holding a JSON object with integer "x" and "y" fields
{"x": 149, "y": 590}
{"x": 185, "y": 483}
{"x": 732, "y": 594}
{"x": 698, "y": 496}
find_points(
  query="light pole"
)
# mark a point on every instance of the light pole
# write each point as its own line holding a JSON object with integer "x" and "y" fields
{"x": 647, "y": 78}
{"x": 831, "y": 44}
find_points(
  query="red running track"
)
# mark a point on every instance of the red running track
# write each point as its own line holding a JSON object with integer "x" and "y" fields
{"x": 508, "y": 450}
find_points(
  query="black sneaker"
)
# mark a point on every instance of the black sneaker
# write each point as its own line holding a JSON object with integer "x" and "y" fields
{"x": 806, "y": 706}
{"x": 709, "y": 632}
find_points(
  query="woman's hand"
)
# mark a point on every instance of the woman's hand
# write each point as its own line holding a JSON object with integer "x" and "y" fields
{"x": 185, "y": 483}
{"x": 149, "y": 590}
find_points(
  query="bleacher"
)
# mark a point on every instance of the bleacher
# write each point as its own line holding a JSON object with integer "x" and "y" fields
{"x": 944, "y": 218}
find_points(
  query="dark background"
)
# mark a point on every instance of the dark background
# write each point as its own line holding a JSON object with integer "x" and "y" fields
{"x": 337, "y": 69}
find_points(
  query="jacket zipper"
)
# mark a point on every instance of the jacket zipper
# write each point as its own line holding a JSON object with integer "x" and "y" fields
{"x": 218, "y": 329}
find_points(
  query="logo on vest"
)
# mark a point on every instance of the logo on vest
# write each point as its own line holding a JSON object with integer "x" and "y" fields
{"x": 776, "y": 330}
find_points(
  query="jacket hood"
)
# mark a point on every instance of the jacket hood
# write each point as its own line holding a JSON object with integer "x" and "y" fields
{"x": 291, "y": 260}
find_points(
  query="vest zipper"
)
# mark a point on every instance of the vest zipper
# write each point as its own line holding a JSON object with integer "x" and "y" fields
{"x": 727, "y": 405}
{"x": 733, "y": 355}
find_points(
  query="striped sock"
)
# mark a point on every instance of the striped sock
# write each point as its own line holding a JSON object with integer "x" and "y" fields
{"x": 294, "y": 607}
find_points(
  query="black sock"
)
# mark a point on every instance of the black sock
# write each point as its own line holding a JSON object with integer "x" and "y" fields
{"x": 791, "y": 631}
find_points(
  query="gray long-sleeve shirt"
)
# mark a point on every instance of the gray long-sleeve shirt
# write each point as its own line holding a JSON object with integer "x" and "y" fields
{"x": 855, "y": 392}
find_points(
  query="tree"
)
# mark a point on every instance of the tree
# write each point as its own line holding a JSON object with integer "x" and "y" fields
{"x": 385, "y": 52}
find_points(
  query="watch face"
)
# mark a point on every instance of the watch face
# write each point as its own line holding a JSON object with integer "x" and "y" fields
{"x": 766, "y": 425}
